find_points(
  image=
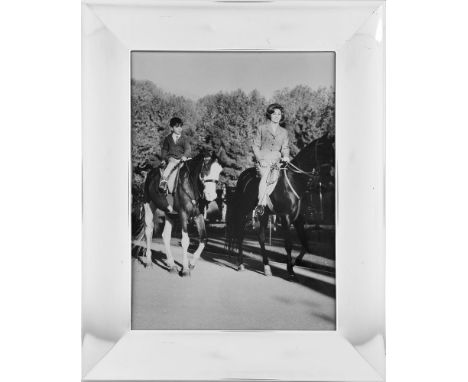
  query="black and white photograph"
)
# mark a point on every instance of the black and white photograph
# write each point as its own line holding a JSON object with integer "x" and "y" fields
{"x": 233, "y": 190}
{"x": 89, "y": 92}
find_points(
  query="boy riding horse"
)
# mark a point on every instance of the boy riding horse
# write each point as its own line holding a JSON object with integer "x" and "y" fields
{"x": 175, "y": 149}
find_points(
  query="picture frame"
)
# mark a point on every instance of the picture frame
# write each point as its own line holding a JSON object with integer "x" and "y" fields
{"x": 355, "y": 31}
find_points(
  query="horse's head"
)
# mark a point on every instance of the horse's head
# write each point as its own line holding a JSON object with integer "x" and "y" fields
{"x": 317, "y": 154}
{"x": 209, "y": 175}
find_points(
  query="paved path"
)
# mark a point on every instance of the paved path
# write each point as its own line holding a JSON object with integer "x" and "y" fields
{"x": 216, "y": 296}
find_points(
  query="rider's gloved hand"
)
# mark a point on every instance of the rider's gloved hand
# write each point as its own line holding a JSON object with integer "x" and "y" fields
{"x": 285, "y": 159}
{"x": 183, "y": 159}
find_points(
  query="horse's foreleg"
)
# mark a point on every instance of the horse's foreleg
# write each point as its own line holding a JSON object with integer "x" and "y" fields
{"x": 240, "y": 249}
{"x": 185, "y": 244}
{"x": 200, "y": 222}
{"x": 261, "y": 240}
{"x": 240, "y": 254}
{"x": 149, "y": 227}
{"x": 286, "y": 222}
{"x": 166, "y": 235}
{"x": 301, "y": 233}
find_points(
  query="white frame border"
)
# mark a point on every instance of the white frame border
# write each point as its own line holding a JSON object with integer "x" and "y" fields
{"x": 355, "y": 30}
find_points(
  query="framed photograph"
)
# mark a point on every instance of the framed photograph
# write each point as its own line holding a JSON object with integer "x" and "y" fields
{"x": 233, "y": 190}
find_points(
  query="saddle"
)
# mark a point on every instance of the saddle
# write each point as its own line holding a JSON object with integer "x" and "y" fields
{"x": 166, "y": 189}
{"x": 165, "y": 184}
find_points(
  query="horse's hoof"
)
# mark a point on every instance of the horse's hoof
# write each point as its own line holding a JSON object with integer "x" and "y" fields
{"x": 185, "y": 272}
{"x": 149, "y": 261}
{"x": 241, "y": 268}
{"x": 267, "y": 270}
{"x": 291, "y": 276}
{"x": 173, "y": 269}
{"x": 297, "y": 262}
{"x": 191, "y": 266}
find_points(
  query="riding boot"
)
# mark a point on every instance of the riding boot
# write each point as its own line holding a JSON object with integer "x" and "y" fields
{"x": 259, "y": 210}
{"x": 163, "y": 185}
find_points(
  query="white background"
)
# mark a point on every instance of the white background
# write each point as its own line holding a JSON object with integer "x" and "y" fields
{"x": 427, "y": 266}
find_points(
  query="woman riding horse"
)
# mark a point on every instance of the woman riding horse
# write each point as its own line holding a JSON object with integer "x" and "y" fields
{"x": 270, "y": 145}
{"x": 285, "y": 201}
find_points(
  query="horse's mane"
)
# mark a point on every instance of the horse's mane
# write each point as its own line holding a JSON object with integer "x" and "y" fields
{"x": 306, "y": 157}
{"x": 193, "y": 168}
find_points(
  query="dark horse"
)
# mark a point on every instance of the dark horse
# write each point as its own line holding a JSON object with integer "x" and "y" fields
{"x": 316, "y": 159}
{"x": 195, "y": 185}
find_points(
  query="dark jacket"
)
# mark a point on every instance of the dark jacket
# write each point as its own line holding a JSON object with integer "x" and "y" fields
{"x": 175, "y": 150}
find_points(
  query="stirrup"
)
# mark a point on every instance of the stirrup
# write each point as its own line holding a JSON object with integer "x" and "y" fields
{"x": 259, "y": 210}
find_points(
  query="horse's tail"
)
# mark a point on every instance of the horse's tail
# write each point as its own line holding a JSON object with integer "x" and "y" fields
{"x": 140, "y": 193}
{"x": 235, "y": 225}
{"x": 138, "y": 227}
{"x": 239, "y": 205}
{"x": 138, "y": 220}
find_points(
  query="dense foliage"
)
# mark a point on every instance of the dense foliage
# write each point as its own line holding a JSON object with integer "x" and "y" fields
{"x": 224, "y": 122}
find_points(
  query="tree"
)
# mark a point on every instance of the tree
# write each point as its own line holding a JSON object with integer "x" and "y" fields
{"x": 224, "y": 122}
{"x": 309, "y": 113}
{"x": 152, "y": 110}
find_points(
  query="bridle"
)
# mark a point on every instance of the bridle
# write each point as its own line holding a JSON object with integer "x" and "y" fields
{"x": 203, "y": 179}
{"x": 310, "y": 174}
{"x": 206, "y": 160}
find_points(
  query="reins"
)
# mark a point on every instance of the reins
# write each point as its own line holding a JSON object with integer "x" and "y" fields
{"x": 293, "y": 168}
{"x": 296, "y": 170}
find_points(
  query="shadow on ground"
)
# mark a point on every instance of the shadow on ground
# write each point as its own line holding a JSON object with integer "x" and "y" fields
{"x": 219, "y": 257}
{"x": 321, "y": 243}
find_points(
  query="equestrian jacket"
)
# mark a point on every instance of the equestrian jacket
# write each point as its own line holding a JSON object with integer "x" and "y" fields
{"x": 175, "y": 150}
{"x": 268, "y": 146}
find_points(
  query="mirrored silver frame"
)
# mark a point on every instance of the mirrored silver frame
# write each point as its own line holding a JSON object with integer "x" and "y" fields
{"x": 355, "y": 30}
